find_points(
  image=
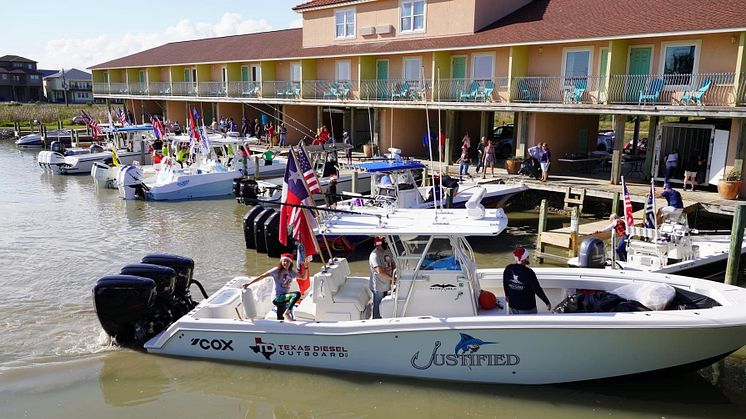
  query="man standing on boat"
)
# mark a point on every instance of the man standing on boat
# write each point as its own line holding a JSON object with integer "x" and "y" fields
{"x": 382, "y": 267}
{"x": 675, "y": 206}
{"x": 521, "y": 285}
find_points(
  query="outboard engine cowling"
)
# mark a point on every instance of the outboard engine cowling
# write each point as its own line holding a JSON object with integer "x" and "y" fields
{"x": 249, "y": 191}
{"x": 248, "y": 226}
{"x": 184, "y": 268}
{"x": 122, "y": 303}
{"x": 271, "y": 236}
{"x": 592, "y": 253}
{"x": 57, "y": 146}
{"x": 164, "y": 277}
{"x": 261, "y": 243}
{"x": 131, "y": 182}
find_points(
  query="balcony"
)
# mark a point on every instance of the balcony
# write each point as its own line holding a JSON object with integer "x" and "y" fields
{"x": 691, "y": 90}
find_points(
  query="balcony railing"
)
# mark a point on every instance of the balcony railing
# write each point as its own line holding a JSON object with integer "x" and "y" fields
{"x": 703, "y": 89}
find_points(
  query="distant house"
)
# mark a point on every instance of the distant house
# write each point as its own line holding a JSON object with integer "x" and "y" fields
{"x": 19, "y": 80}
{"x": 74, "y": 83}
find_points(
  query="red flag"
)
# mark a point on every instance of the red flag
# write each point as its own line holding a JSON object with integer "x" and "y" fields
{"x": 294, "y": 193}
{"x": 628, "y": 218}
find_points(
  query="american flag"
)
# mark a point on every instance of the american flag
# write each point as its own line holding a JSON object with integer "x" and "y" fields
{"x": 628, "y": 218}
{"x": 294, "y": 193}
{"x": 158, "y": 129}
{"x": 308, "y": 174}
{"x": 122, "y": 117}
{"x": 92, "y": 124}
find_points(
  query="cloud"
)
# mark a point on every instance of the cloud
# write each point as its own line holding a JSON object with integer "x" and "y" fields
{"x": 82, "y": 53}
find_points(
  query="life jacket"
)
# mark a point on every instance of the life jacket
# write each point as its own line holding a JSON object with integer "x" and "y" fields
{"x": 620, "y": 228}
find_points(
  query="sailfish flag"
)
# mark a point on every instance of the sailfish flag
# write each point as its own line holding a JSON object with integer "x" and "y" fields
{"x": 650, "y": 221}
{"x": 628, "y": 217}
{"x": 294, "y": 192}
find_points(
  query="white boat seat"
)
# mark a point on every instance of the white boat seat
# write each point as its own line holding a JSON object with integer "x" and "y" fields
{"x": 335, "y": 293}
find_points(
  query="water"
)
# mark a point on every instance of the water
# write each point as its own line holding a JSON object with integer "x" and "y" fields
{"x": 59, "y": 234}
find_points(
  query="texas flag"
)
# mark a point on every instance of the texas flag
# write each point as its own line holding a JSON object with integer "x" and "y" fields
{"x": 294, "y": 192}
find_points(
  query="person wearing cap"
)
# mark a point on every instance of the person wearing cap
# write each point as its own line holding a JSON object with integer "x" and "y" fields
{"x": 348, "y": 141}
{"x": 283, "y": 276}
{"x": 521, "y": 285}
{"x": 675, "y": 204}
{"x": 382, "y": 267}
{"x": 331, "y": 191}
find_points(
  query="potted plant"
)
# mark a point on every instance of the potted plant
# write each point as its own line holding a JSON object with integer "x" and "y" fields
{"x": 369, "y": 149}
{"x": 513, "y": 165}
{"x": 730, "y": 185}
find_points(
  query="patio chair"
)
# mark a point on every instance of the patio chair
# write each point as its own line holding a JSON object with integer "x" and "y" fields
{"x": 402, "y": 92}
{"x": 471, "y": 93}
{"x": 575, "y": 94}
{"x": 343, "y": 90}
{"x": 486, "y": 93}
{"x": 653, "y": 92}
{"x": 525, "y": 93}
{"x": 696, "y": 97}
{"x": 251, "y": 91}
{"x": 332, "y": 92}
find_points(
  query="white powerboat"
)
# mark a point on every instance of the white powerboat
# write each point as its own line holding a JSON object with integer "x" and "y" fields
{"x": 128, "y": 142}
{"x": 35, "y": 140}
{"x": 433, "y": 325}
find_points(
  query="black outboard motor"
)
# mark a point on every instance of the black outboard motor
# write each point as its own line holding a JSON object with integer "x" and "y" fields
{"x": 248, "y": 226}
{"x": 165, "y": 279}
{"x": 184, "y": 268}
{"x": 249, "y": 191}
{"x": 592, "y": 253}
{"x": 261, "y": 243}
{"x": 123, "y": 304}
{"x": 271, "y": 237}
{"x": 57, "y": 146}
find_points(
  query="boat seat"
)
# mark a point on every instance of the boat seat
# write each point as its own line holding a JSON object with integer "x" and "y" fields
{"x": 337, "y": 296}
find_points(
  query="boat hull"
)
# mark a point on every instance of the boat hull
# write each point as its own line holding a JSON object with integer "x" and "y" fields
{"x": 203, "y": 186}
{"x": 432, "y": 348}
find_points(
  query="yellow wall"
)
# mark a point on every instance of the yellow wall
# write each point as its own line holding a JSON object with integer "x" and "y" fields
{"x": 203, "y": 73}
{"x": 367, "y": 68}
{"x": 308, "y": 70}
{"x": 98, "y": 76}
{"x": 177, "y": 74}
{"x": 268, "y": 70}
{"x": 153, "y": 74}
{"x": 234, "y": 71}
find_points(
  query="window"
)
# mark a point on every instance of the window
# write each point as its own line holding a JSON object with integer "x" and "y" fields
{"x": 34, "y": 77}
{"x": 576, "y": 65}
{"x": 345, "y": 23}
{"x": 343, "y": 71}
{"x": 483, "y": 66}
{"x": 679, "y": 62}
{"x": 412, "y": 16}
{"x": 295, "y": 72}
{"x": 412, "y": 68}
{"x": 5, "y": 77}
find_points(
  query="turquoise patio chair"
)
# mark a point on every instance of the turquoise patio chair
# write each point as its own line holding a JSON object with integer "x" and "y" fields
{"x": 332, "y": 92}
{"x": 486, "y": 93}
{"x": 525, "y": 93}
{"x": 471, "y": 93}
{"x": 402, "y": 92}
{"x": 696, "y": 97}
{"x": 575, "y": 95}
{"x": 343, "y": 90}
{"x": 653, "y": 92}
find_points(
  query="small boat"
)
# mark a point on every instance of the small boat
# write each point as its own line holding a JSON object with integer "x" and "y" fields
{"x": 435, "y": 324}
{"x": 211, "y": 177}
{"x": 34, "y": 140}
{"x": 672, "y": 248}
{"x": 128, "y": 143}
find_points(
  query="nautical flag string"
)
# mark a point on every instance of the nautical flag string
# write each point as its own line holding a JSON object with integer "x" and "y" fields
{"x": 628, "y": 217}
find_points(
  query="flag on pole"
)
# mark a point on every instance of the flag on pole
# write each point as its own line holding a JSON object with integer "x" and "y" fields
{"x": 205, "y": 143}
{"x": 308, "y": 174}
{"x": 650, "y": 210}
{"x": 122, "y": 117}
{"x": 158, "y": 129}
{"x": 294, "y": 192}
{"x": 193, "y": 121}
{"x": 92, "y": 124}
{"x": 628, "y": 218}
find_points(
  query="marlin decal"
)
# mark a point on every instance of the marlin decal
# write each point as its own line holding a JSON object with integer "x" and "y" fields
{"x": 469, "y": 344}
{"x": 442, "y": 286}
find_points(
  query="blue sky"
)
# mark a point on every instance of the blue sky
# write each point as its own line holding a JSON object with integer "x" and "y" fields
{"x": 75, "y": 33}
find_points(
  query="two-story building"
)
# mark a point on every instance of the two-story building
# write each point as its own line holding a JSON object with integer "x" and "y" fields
{"x": 390, "y": 70}
{"x": 69, "y": 86}
{"x": 20, "y": 81}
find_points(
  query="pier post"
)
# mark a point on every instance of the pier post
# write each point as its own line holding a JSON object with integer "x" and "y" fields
{"x": 736, "y": 240}
{"x": 353, "y": 186}
{"x": 615, "y": 203}
{"x": 574, "y": 227}
{"x": 256, "y": 167}
{"x": 425, "y": 178}
{"x": 541, "y": 228}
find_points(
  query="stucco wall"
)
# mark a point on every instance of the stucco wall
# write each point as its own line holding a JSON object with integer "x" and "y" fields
{"x": 298, "y": 119}
{"x": 560, "y": 132}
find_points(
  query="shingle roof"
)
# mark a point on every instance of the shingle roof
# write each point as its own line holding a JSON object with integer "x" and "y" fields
{"x": 320, "y": 3}
{"x": 540, "y": 21}
{"x": 16, "y": 58}
{"x": 70, "y": 74}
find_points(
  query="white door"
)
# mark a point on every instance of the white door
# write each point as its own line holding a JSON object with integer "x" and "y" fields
{"x": 718, "y": 151}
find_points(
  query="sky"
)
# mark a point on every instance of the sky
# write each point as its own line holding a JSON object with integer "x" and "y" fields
{"x": 78, "y": 34}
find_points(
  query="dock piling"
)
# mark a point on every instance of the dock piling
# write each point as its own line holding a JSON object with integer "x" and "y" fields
{"x": 736, "y": 240}
{"x": 541, "y": 228}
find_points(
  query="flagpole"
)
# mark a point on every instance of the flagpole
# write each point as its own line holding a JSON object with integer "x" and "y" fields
{"x": 310, "y": 196}
{"x": 430, "y": 146}
{"x": 440, "y": 151}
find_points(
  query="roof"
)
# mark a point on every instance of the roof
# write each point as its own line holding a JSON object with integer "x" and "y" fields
{"x": 539, "y": 22}
{"x": 323, "y": 3}
{"x": 16, "y": 58}
{"x": 70, "y": 74}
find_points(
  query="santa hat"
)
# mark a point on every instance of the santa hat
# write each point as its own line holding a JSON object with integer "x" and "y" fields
{"x": 378, "y": 240}
{"x": 520, "y": 254}
{"x": 287, "y": 256}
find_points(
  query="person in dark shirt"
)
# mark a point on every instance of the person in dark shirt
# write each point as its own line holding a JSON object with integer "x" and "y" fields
{"x": 521, "y": 285}
{"x": 675, "y": 204}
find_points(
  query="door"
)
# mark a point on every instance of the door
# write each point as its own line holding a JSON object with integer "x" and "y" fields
{"x": 244, "y": 73}
{"x": 638, "y": 72}
{"x": 458, "y": 76}
{"x": 383, "y": 89}
{"x": 688, "y": 140}
{"x": 603, "y": 68}
{"x": 716, "y": 160}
